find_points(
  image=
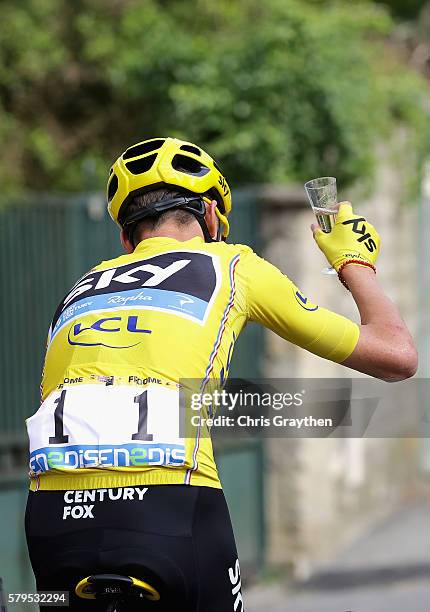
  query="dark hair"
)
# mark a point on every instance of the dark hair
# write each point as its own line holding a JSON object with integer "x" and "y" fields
{"x": 181, "y": 217}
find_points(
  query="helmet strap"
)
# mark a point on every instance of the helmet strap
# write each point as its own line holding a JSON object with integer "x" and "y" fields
{"x": 194, "y": 205}
{"x": 205, "y": 230}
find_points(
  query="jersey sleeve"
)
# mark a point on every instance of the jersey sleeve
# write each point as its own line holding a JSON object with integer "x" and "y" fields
{"x": 275, "y": 302}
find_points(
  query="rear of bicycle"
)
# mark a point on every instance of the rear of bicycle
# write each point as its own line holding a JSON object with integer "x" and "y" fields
{"x": 119, "y": 593}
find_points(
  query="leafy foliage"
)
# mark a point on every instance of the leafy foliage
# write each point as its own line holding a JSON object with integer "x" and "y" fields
{"x": 277, "y": 91}
{"x": 404, "y": 9}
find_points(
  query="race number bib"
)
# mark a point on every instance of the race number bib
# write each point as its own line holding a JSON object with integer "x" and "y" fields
{"x": 97, "y": 426}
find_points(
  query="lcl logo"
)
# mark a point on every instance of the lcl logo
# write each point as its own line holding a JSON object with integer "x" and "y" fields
{"x": 364, "y": 235}
{"x": 106, "y": 325}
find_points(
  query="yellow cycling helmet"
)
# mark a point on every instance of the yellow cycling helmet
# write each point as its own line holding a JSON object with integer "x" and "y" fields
{"x": 153, "y": 163}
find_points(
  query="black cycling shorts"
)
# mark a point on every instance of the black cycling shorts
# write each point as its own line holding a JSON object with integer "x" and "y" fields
{"x": 178, "y": 538}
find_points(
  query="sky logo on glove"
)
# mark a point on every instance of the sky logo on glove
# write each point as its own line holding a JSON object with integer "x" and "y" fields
{"x": 364, "y": 236}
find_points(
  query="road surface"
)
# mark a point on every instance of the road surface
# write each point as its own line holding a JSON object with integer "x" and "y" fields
{"x": 387, "y": 570}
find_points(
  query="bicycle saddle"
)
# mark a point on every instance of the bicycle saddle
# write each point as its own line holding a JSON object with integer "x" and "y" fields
{"x": 112, "y": 586}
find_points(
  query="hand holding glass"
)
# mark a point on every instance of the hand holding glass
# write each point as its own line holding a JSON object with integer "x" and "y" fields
{"x": 322, "y": 195}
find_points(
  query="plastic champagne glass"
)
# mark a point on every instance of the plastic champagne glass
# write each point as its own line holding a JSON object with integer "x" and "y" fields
{"x": 322, "y": 195}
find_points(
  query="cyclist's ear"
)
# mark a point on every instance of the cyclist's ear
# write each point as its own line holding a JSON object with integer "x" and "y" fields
{"x": 126, "y": 244}
{"x": 211, "y": 218}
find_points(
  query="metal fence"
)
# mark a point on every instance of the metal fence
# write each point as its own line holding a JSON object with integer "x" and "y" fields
{"x": 46, "y": 244}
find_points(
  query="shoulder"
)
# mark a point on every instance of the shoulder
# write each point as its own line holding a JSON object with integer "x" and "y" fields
{"x": 106, "y": 264}
{"x": 231, "y": 249}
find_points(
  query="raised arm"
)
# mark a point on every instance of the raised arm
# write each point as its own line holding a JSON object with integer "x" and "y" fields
{"x": 385, "y": 348}
{"x": 381, "y": 346}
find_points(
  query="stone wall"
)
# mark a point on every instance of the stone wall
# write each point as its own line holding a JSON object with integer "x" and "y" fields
{"x": 321, "y": 492}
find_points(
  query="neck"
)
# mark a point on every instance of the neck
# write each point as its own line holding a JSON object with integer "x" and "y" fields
{"x": 171, "y": 230}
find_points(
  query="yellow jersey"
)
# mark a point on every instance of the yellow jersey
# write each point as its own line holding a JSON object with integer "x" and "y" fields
{"x": 125, "y": 336}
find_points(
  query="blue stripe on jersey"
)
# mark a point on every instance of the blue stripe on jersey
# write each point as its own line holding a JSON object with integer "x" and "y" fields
{"x": 149, "y": 298}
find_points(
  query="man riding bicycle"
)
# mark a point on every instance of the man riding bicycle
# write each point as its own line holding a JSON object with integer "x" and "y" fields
{"x": 115, "y": 485}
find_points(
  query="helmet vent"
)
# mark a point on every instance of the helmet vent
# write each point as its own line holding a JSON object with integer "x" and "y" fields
{"x": 191, "y": 149}
{"x": 142, "y": 148}
{"x": 188, "y": 165}
{"x": 143, "y": 164}
{"x": 113, "y": 187}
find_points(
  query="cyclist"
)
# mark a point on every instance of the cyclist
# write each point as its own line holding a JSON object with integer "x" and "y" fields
{"x": 114, "y": 487}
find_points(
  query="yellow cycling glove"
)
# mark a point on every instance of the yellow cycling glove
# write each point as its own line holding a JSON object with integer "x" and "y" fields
{"x": 353, "y": 240}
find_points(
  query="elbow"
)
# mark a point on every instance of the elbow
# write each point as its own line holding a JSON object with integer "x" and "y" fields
{"x": 404, "y": 364}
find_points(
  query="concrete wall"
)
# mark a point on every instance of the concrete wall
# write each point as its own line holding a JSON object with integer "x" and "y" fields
{"x": 321, "y": 492}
